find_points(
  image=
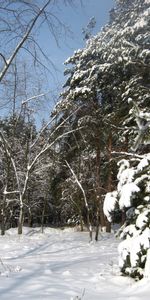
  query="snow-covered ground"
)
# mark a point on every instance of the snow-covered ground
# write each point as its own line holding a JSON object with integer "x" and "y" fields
{"x": 62, "y": 264}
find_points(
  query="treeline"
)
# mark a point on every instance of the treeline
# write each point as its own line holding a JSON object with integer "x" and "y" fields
{"x": 61, "y": 174}
{"x": 106, "y": 95}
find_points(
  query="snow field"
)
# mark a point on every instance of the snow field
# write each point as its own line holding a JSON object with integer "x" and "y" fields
{"x": 63, "y": 265}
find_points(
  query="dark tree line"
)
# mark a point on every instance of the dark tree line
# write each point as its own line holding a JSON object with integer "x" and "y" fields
{"x": 101, "y": 78}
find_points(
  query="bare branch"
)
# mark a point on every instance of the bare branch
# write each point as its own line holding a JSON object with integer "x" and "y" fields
{"x": 9, "y": 193}
{"x": 48, "y": 146}
{"x": 58, "y": 127}
{"x": 34, "y": 97}
{"x": 20, "y": 44}
{"x": 129, "y": 154}
{"x": 4, "y": 59}
{"x": 79, "y": 184}
{"x": 42, "y": 130}
{"x": 84, "y": 196}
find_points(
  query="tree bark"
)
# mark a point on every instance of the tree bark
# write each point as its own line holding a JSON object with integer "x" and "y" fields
{"x": 100, "y": 219}
{"x": 109, "y": 184}
{"x": 20, "y": 221}
{"x": 21, "y": 216}
{"x": 3, "y": 218}
{"x": 43, "y": 215}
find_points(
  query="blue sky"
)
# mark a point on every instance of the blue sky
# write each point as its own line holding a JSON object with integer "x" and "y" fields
{"x": 75, "y": 17}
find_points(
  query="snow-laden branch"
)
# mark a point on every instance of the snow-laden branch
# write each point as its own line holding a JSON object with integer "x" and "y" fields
{"x": 42, "y": 130}
{"x": 7, "y": 150}
{"x": 44, "y": 150}
{"x": 64, "y": 121}
{"x": 143, "y": 124}
{"x": 123, "y": 128}
{"x": 58, "y": 127}
{"x": 130, "y": 154}
{"x": 10, "y": 193}
{"x": 34, "y": 97}
{"x": 48, "y": 146}
{"x": 12, "y": 200}
{"x": 22, "y": 188}
{"x": 79, "y": 184}
{"x": 43, "y": 168}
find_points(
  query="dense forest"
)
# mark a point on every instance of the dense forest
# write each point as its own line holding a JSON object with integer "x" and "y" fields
{"x": 89, "y": 165}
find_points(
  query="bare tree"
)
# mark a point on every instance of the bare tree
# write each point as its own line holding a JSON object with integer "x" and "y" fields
{"x": 85, "y": 199}
{"x": 29, "y": 27}
{"x": 32, "y": 162}
{"x": 21, "y": 24}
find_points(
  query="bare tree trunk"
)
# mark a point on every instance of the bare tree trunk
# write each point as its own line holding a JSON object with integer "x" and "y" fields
{"x": 3, "y": 217}
{"x": 109, "y": 185}
{"x": 20, "y": 221}
{"x": 108, "y": 226}
{"x": 43, "y": 215}
{"x": 100, "y": 219}
{"x": 3, "y": 209}
{"x": 30, "y": 218}
{"x": 21, "y": 216}
{"x": 97, "y": 219}
{"x": 14, "y": 92}
{"x": 81, "y": 222}
{"x": 85, "y": 200}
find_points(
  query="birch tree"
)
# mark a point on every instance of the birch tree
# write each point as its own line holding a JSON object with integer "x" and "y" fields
{"x": 33, "y": 162}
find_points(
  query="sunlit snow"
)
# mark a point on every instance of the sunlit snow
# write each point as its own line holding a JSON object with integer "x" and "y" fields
{"x": 62, "y": 264}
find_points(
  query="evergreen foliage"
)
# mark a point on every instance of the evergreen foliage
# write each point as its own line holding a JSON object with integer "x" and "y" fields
{"x": 109, "y": 80}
